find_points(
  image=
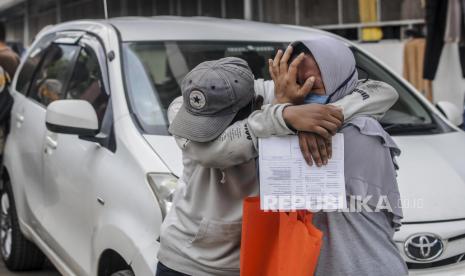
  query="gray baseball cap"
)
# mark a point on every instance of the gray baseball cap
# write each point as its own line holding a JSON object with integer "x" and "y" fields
{"x": 213, "y": 92}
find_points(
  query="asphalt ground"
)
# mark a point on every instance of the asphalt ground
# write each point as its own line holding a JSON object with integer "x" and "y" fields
{"x": 48, "y": 270}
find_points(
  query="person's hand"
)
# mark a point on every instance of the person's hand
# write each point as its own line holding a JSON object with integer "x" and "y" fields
{"x": 315, "y": 147}
{"x": 286, "y": 88}
{"x": 323, "y": 120}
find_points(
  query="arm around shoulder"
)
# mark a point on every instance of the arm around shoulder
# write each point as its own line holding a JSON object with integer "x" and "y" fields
{"x": 372, "y": 98}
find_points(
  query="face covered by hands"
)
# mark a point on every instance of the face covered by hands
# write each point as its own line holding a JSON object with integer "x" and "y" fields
{"x": 301, "y": 82}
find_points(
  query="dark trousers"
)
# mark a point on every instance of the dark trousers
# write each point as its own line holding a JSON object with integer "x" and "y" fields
{"x": 436, "y": 15}
{"x": 436, "y": 18}
{"x": 163, "y": 270}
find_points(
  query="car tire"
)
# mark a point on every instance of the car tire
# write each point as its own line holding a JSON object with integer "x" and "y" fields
{"x": 123, "y": 273}
{"x": 18, "y": 253}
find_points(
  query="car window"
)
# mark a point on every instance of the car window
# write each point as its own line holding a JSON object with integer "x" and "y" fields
{"x": 31, "y": 63}
{"x": 407, "y": 109}
{"x": 408, "y": 116}
{"x": 154, "y": 71}
{"x": 86, "y": 82}
{"x": 53, "y": 73}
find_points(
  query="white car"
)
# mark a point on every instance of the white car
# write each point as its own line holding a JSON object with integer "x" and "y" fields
{"x": 89, "y": 167}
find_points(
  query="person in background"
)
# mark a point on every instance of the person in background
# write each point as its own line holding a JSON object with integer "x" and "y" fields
{"x": 9, "y": 61}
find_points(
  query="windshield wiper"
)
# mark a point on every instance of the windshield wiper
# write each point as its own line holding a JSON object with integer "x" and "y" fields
{"x": 404, "y": 128}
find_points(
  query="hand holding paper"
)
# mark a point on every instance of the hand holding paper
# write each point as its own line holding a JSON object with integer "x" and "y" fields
{"x": 287, "y": 182}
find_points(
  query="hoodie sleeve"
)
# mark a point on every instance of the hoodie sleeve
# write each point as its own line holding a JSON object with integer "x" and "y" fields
{"x": 372, "y": 98}
{"x": 239, "y": 142}
{"x": 264, "y": 88}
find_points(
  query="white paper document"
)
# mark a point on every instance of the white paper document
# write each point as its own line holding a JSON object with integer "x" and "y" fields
{"x": 287, "y": 182}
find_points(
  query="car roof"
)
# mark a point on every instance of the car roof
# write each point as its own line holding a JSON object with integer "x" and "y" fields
{"x": 203, "y": 28}
{"x": 176, "y": 28}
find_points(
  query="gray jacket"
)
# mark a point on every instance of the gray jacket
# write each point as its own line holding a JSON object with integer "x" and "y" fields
{"x": 201, "y": 233}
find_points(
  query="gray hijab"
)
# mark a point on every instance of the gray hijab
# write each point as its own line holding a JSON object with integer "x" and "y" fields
{"x": 338, "y": 70}
{"x": 336, "y": 63}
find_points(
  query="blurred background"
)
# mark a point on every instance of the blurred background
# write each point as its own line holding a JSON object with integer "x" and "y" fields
{"x": 396, "y": 31}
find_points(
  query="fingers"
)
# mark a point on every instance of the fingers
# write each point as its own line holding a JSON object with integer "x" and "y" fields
{"x": 329, "y": 148}
{"x": 330, "y": 127}
{"x": 294, "y": 66}
{"x": 276, "y": 62}
{"x": 307, "y": 87}
{"x": 321, "y": 142}
{"x": 312, "y": 118}
{"x": 334, "y": 120}
{"x": 321, "y": 131}
{"x": 314, "y": 150}
{"x": 330, "y": 119}
{"x": 335, "y": 112}
{"x": 304, "y": 149}
{"x": 332, "y": 114}
{"x": 271, "y": 69}
{"x": 285, "y": 59}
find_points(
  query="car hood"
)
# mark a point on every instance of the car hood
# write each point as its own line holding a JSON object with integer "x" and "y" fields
{"x": 168, "y": 151}
{"x": 431, "y": 175}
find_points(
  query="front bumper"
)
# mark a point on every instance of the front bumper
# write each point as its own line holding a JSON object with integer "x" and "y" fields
{"x": 452, "y": 259}
{"x": 448, "y": 270}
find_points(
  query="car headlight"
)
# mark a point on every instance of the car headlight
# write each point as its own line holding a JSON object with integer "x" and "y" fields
{"x": 163, "y": 185}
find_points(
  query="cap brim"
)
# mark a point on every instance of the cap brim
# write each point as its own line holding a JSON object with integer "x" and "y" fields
{"x": 199, "y": 128}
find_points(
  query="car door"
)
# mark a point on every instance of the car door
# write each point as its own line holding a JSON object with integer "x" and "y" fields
{"x": 70, "y": 163}
{"x": 25, "y": 137}
{"x": 39, "y": 80}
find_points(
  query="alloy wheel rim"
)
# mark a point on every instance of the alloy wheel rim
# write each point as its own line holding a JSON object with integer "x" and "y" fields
{"x": 6, "y": 230}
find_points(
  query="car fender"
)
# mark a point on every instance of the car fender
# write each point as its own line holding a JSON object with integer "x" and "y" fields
{"x": 139, "y": 253}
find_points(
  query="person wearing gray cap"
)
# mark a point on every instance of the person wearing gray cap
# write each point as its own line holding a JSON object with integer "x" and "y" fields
{"x": 213, "y": 93}
{"x": 215, "y": 127}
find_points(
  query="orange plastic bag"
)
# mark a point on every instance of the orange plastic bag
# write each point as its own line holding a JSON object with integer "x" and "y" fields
{"x": 278, "y": 243}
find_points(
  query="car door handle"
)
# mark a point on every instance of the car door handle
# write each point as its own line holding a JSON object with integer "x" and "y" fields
{"x": 51, "y": 143}
{"x": 19, "y": 119}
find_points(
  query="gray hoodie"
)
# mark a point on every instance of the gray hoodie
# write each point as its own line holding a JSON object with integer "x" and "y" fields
{"x": 201, "y": 233}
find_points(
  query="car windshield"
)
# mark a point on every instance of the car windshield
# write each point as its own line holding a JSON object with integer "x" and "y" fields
{"x": 154, "y": 71}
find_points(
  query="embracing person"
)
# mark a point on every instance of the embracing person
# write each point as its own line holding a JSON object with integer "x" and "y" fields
{"x": 358, "y": 240}
{"x": 217, "y": 132}
{"x": 9, "y": 61}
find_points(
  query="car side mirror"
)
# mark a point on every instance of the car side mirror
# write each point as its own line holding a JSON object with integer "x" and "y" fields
{"x": 76, "y": 117}
{"x": 451, "y": 112}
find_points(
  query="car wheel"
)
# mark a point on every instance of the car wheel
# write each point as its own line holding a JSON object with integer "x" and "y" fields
{"x": 17, "y": 252}
{"x": 123, "y": 273}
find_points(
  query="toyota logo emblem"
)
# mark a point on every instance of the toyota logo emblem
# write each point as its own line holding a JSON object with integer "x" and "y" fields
{"x": 423, "y": 247}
